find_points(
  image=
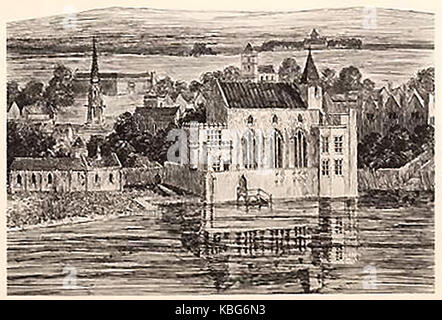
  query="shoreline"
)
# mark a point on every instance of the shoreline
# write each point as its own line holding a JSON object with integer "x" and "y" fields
{"x": 148, "y": 204}
{"x": 17, "y": 54}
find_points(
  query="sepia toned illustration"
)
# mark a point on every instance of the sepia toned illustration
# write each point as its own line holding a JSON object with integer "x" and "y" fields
{"x": 175, "y": 152}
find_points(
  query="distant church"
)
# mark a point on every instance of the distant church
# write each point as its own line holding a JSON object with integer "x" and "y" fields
{"x": 252, "y": 71}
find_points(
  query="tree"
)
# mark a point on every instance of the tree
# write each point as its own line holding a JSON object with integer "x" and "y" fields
{"x": 127, "y": 125}
{"x": 59, "y": 92}
{"x": 30, "y": 94}
{"x": 195, "y": 86}
{"x": 349, "y": 79}
{"x": 198, "y": 115}
{"x": 328, "y": 78}
{"x": 92, "y": 145}
{"x": 231, "y": 73}
{"x": 289, "y": 71}
{"x": 423, "y": 80}
{"x": 396, "y": 148}
{"x": 368, "y": 85}
{"x": 26, "y": 140}
{"x": 164, "y": 85}
{"x": 12, "y": 92}
{"x": 367, "y": 149}
{"x": 200, "y": 48}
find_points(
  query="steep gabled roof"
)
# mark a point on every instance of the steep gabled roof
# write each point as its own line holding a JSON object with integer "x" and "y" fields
{"x": 261, "y": 95}
{"x": 395, "y": 104}
{"x": 418, "y": 96}
{"x": 310, "y": 72}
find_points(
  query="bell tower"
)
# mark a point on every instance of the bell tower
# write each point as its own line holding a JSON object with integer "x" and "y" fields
{"x": 95, "y": 101}
{"x": 249, "y": 63}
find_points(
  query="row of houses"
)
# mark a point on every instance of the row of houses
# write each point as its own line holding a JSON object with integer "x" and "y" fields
{"x": 384, "y": 108}
{"x": 159, "y": 110}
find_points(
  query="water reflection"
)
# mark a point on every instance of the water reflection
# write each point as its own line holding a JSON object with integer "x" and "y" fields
{"x": 290, "y": 245}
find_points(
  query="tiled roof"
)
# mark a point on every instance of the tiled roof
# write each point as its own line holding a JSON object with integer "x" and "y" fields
{"x": 47, "y": 164}
{"x": 261, "y": 95}
{"x": 64, "y": 164}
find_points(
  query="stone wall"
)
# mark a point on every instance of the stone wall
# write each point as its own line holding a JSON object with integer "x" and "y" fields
{"x": 98, "y": 179}
{"x": 183, "y": 177}
{"x": 141, "y": 176}
{"x": 280, "y": 183}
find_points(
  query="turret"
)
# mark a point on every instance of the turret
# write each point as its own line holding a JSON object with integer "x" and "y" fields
{"x": 249, "y": 63}
{"x": 310, "y": 82}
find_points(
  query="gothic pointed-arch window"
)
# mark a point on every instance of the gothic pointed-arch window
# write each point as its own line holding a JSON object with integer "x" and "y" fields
{"x": 275, "y": 119}
{"x": 300, "y": 149}
{"x": 248, "y": 143}
{"x": 49, "y": 178}
{"x": 250, "y": 120}
{"x": 277, "y": 149}
{"x": 111, "y": 178}
{"x": 19, "y": 180}
{"x": 96, "y": 178}
{"x": 33, "y": 179}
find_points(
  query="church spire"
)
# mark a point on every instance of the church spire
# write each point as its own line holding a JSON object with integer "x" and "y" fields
{"x": 310, "y": 73}
{"x": 95, "y": 97}
{"x": 94, "y": 68}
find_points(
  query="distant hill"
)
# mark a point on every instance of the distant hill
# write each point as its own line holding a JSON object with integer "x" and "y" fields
{"x": 150, "y": 31}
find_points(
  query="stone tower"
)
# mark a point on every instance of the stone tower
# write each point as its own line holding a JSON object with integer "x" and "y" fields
{"x": 249, "y": 63}
{"x": 95, "y": 102}
{"x": 310, "y": 82}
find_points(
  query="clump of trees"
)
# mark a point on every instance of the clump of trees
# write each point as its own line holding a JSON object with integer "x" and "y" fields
{"x": 129, "y": 138}
{"x": 290, "y": 71}
{"x": 424, "y": 80}
{"x": 345, "y": 43}
{"x": 58, "y": 93}
{"x": 396, "y": 148}
{"x": 27, "y": 140}
{"x": 200, "y": 48}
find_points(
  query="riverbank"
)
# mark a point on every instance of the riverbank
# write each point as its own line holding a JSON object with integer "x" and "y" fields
{"x": 39, "y": 209}
{"x": 394, "y": 198}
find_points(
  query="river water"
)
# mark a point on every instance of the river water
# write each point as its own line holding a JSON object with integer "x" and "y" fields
{"x": 292, "y": 247}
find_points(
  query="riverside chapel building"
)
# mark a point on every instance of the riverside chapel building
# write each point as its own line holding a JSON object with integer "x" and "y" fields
{"x": 275, "y": 137}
